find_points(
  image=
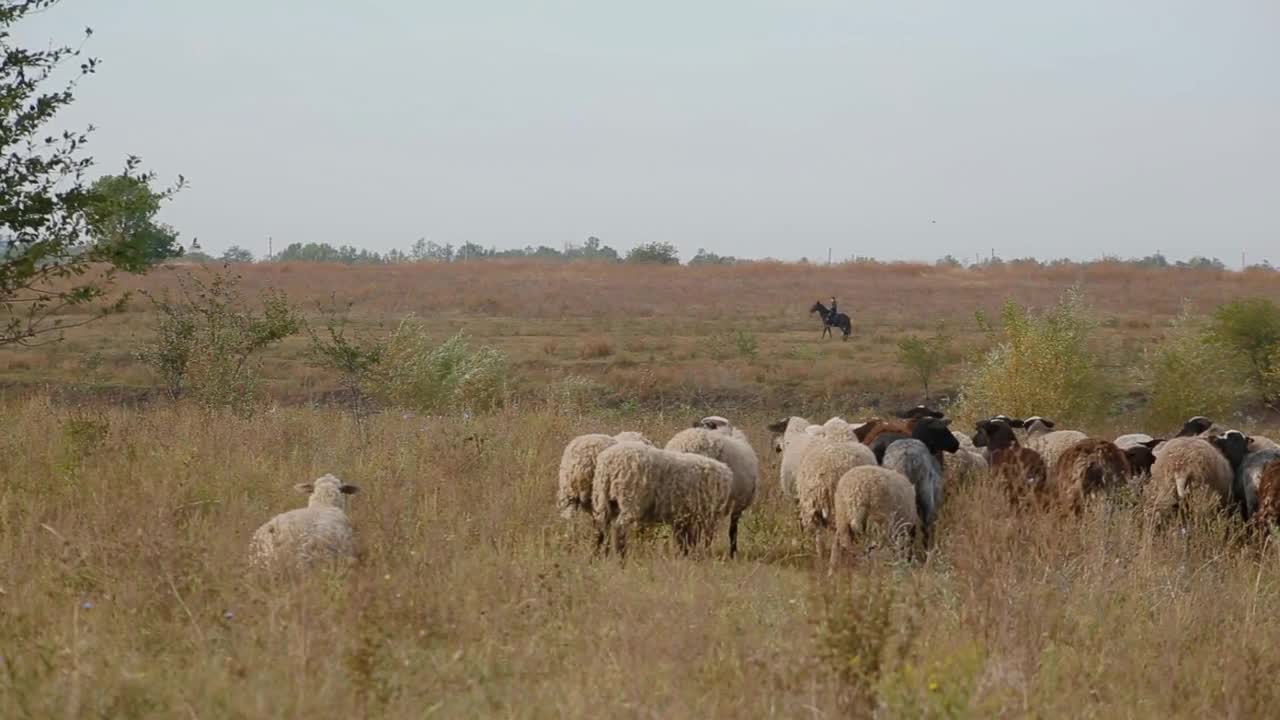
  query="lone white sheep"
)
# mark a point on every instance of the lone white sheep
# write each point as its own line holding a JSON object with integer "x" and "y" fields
{"x": 317, "y": 532}
{"x": 869, "y": 495}
{"x": 578, "y": 465}
{"x": 638, "y": 484}
{"x": 731, "y": 448}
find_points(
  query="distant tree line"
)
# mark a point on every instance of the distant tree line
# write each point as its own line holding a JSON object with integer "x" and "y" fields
{"x": 659, "y": 253}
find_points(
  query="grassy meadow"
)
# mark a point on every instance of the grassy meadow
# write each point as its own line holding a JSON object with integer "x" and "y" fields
{"x": 125, "y": 520}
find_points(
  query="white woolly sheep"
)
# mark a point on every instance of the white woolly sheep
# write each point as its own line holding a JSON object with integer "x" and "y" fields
{"x": 822, "y": 467}
{"x": 734, "y": 452}
{"x": 720, "y": 424}
{"x": 638, "y": 484}
{"x": 872, "y": 494}
{"x": 791, "y": 439}
{"x": 1124, "y": 442}
{"x": 1050, "y": 443}
{"x": 1184, "y": 463}
{"x": 578, "y": 465}
{"x": 317, "y": 532}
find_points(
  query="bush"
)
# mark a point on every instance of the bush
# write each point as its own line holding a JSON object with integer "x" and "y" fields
{"x": 450, "y": 377}
{"x": 1185, "y": 375}
{"x": 207, "y": 337}
{"x": 654, "y": 252}
{"x": 1040, "y": 365}
{"x": 1249, "y": 329}
{"x": 926, "y": 357}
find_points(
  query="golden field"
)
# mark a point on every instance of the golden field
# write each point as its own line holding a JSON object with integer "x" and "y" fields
{"x": 125, "y": 520}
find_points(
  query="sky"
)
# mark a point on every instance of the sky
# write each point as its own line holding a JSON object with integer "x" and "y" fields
{"x": 896, "y": 129}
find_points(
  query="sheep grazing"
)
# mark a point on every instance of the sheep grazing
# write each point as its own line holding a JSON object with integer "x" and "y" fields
{"x": 871, "y": 494}
{"x": 816, "y": 479}
{"x": 791, "y": 440}
{"x": 1020, "y": 470}
{"x": 320, "y": 531}
{"x": 1249, "y": 476}
{"x": 732, "y": 449}
{"x": 1184, "y": 463}
{"x": 873, "y": 429}
{"x": 929, "y": 430}
{"x": 917, "y": 459}
{"x": 1257, "y": 442}
{"x": 1267, "y": 515}
{"x": 578, "y": 466}
{"x": 637, "y": 484}
{"x": 1085, "y": 468}
{"x": 1198, "y": 426}
{"x": 1124, "y": 442}
{"x": 720, "y": 424}
{"x": 1140, "y": 458}
{"x": 1050, "y": 443}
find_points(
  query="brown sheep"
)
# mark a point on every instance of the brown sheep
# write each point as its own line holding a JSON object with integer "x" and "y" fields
{"x": 1089, "y": 466}
{"x": 1019, "y": 470}
{"x": 1268, "y": 513}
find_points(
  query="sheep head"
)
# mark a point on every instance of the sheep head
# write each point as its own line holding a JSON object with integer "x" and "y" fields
{"x": 327, "y": 491}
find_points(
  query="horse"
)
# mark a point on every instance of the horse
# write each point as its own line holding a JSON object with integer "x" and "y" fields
{"x": 830, "y": 320}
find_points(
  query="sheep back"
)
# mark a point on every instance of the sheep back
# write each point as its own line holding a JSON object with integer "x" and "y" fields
{"x": 1183, "y": 463}
{"x": 728, "y": 449}
{"x": 637, "y": 483}
{"x": 870, "y": 494}
{"x": 1051, "y": 445}
{"x": 912, "y": 459}
{"x": 1088, "y": 466}
{"x": 819, "y": 472}
{"x": 303, "y": 536}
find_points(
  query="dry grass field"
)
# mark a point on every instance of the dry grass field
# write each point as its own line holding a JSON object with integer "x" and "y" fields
{"x": 124, "y": 525}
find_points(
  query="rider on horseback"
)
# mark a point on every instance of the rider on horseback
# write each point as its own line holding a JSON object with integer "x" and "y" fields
{"x": 831, "y": 316}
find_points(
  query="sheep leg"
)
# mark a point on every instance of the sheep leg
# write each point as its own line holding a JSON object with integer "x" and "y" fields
{"x": 733, "y": 534}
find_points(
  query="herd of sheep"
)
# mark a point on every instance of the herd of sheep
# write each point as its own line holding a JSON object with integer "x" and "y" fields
{"x": 884, "y": 480}
{"x": 852, "y": 484}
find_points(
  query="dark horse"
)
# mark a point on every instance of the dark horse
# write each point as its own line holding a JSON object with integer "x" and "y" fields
{"x": 829, "y": 320}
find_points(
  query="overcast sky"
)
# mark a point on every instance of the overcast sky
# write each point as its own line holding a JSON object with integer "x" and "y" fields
{"x": 895, "y": 129}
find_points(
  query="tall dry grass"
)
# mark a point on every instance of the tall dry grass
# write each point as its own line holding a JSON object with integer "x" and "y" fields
{"x": 124, "y": 590}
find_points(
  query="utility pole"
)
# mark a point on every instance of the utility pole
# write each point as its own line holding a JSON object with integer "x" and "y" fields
{"x": 828, "y": 256}
{"x": 270, "y": 253}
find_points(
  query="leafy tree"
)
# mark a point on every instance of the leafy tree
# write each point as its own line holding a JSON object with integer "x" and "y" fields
{"x": 948, "y": 261}
{"x": 709, "y": 258}
{"x": 237, "y": 254}
{"x": 655, "y": 252}
{"x": 57, "y": 256}
{"x": 926, "y": 357}
{"x": 121, "y": 213}
{"x": 1250, "y": 329}
{"x": 324, "y": 252}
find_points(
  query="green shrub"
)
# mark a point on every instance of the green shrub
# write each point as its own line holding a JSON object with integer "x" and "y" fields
{"x": 451, "y": 377}
{"x": 1040, "y": 364}
{"x": 208, "y": 336}
{"x": 1249, "y": 329}
{"x": 926, "y": 357}
{"x": 1186, "y": 375}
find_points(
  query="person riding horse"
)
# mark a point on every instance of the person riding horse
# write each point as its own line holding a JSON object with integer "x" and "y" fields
{"x": 831, "y": 316}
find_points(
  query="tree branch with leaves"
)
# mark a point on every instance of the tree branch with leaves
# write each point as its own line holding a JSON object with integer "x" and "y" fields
{"x": 59, "y": 247}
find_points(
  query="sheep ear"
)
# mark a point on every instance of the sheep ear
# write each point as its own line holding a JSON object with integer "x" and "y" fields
{"x": 1015, "y": 422}
{"x": 1047, "y": 422}
{"x": 349, "y": 489}
{"x": 1153, "y": 442}
{"x": 780, "y": 426}
{"x": 696, "y": 423}
{"x": 305, "y": 487}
